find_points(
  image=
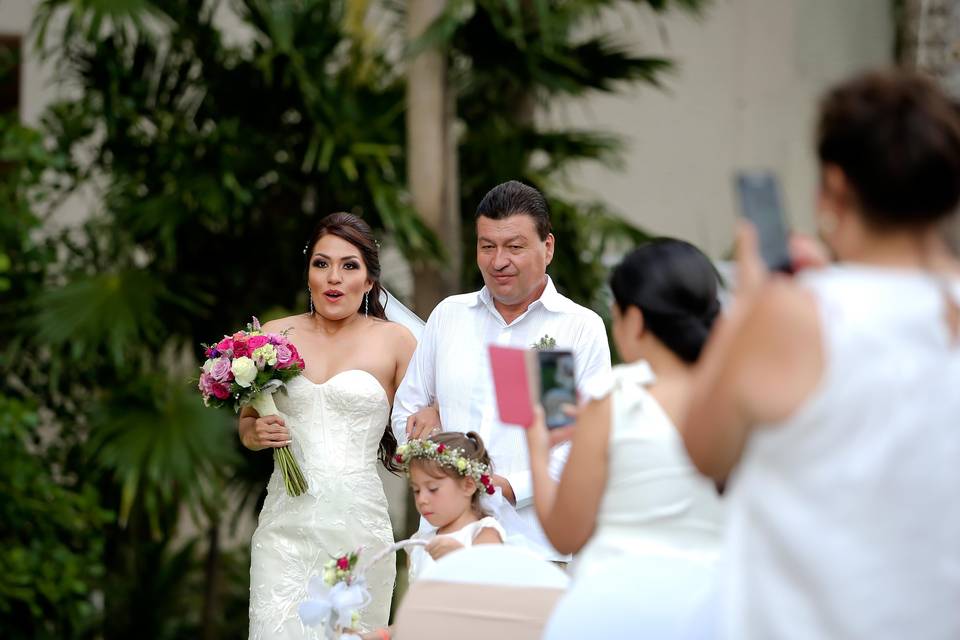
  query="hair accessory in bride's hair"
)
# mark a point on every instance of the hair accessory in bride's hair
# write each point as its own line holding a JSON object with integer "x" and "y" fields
{"x": 305, "y": 247}
{"x": 447, "y": 457}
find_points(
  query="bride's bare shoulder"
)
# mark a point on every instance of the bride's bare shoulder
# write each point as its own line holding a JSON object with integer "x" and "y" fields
{"x": 279, "y": 325}
{"x": 398, "y": 336}
{"x": 393, "y": 330}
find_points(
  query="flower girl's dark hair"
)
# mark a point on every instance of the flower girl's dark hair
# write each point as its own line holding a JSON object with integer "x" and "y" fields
{"x": 472, "y": 447}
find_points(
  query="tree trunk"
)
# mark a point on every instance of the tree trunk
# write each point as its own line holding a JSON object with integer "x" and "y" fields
{"x": 431, "y": 160}
{"x": 930, "y": 41}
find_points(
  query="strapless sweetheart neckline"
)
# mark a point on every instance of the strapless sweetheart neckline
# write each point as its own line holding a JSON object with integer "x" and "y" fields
{"x": 386, "y": 396}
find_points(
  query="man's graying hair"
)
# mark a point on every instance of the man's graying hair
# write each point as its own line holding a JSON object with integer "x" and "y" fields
{"x": 515, "y": 198}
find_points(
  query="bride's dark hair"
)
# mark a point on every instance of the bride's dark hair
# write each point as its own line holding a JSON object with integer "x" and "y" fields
{"x": 354, "y": 230}
{"x": 349, "y": 227}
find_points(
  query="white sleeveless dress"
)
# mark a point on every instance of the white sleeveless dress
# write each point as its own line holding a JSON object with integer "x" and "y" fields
{"x": 420, "y": 559}
{"x": 651, "y": 560}
{"x": 844, "y": 520}
{"x": 336, "y": 429}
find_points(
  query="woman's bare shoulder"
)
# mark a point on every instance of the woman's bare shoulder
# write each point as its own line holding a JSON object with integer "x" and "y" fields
{"x": 279, "y": 325}
{"x": 393, "y": 330}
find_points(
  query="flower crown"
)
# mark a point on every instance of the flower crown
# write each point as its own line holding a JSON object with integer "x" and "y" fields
{"x": 446, "y": 457}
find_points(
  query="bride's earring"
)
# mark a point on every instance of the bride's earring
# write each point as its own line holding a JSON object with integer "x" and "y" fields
{"x": 310, "y": 298}
{"x": 366, "y": 303}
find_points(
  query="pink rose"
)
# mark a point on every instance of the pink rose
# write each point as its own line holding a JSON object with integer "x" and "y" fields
{"x": 294, "y": 356}
{"x": 284, "y": 356}
{"x": 221, "y": 370}
{"x": 225, "y": 345}
{"x": 343, "y": 563}
{"x": 206, "y": 384}
{"x": 256, "y": 342}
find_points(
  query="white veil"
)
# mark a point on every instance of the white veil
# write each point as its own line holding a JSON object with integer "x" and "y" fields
{"x": 397, "y": 312}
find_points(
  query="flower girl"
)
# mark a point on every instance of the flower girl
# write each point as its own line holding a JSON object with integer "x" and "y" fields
{"x": 449, "y": 473}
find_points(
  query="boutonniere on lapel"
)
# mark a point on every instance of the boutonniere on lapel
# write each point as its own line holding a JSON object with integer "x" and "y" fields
{"x": 545, "y": 343}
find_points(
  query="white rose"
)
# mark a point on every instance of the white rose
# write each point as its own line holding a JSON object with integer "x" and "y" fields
{"x": 244, "y": 371}
{"x": 208, "y": 365}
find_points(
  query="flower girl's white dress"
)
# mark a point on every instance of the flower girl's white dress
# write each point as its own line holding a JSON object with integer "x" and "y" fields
{"x": 336, "y": 429}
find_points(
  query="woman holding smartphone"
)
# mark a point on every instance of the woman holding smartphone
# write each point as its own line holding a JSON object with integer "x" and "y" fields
{"x": 832, "y": 400}
{"x": 629, "y": 495}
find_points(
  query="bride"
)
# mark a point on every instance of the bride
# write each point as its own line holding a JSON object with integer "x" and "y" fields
{"x": 335, "y": 418}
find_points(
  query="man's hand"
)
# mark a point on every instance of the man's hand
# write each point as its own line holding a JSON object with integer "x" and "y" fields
{"x": 423, "y": 423}
{"x": 441, "y": 546}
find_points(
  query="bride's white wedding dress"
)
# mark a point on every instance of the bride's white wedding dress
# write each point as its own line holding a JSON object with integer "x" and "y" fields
{"x": 336, "y": 429}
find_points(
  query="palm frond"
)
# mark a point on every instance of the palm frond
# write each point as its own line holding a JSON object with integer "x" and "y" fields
{"x": 113, "y": 314}
{"x": 162, "y": 446}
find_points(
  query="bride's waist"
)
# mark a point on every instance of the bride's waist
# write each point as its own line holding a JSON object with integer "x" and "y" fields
{"x": 334, "y": 469}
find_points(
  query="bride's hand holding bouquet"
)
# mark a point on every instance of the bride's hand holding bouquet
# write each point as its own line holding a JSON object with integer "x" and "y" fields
{"x": 247, "y": 368}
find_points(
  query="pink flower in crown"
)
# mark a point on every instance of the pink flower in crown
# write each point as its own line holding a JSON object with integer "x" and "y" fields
{"x": 284, "y": 356}
{"x": 255, "y": 342}
{"x": 221, "y": 370}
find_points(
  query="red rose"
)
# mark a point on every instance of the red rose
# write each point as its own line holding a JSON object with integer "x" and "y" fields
{"x": 490, "y": 489}
{"x": 398, "y": 458}
{"x": 240, "y": 349}
{"x": 220, "y": 390}
{"x": 343, "y": 563}
{"x": 441, "y": 448}
{"x": 485, "y": 480}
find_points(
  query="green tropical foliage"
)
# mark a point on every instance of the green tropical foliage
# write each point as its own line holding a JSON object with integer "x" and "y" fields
{"x": 209, "y": 160}
{"x": 510, "y": 60}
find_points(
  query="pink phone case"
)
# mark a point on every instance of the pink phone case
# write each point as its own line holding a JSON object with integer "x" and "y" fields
{"x": 513, "y": 384}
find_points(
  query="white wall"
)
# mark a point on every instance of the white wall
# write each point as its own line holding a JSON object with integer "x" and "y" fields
{"x": 743, "y": 96}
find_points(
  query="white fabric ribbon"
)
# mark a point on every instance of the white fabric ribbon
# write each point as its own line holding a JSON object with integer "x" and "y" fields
{"x": 333, "y": 607}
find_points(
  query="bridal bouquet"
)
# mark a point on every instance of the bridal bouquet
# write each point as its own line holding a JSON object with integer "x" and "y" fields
{"x": 248, "y": 367}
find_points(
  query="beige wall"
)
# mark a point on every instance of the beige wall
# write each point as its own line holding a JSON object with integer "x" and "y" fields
{"x": 743, "y": 96}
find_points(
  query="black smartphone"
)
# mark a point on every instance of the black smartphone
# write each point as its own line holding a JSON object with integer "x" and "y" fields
{"x": 760, "y": 203}
{"x": 557, "y": 386}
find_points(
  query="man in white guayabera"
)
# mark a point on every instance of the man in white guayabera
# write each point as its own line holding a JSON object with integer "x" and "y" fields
{"x": 518, "y": 306}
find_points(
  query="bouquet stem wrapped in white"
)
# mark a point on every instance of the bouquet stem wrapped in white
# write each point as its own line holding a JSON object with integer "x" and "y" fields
{"x": 249, "y": 367}
{"x": 293, "y": 479}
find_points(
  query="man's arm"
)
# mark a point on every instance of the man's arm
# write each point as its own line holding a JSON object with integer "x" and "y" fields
{"x": 591, "y": 356}
{"x": 418, "y": 388}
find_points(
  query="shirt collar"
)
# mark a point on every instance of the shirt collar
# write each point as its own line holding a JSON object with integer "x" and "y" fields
{"x": 550, "y": 298}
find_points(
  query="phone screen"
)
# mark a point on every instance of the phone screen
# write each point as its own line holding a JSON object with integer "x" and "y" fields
{"x": 760, "y": 203}
{"x": 557, "y": 386}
